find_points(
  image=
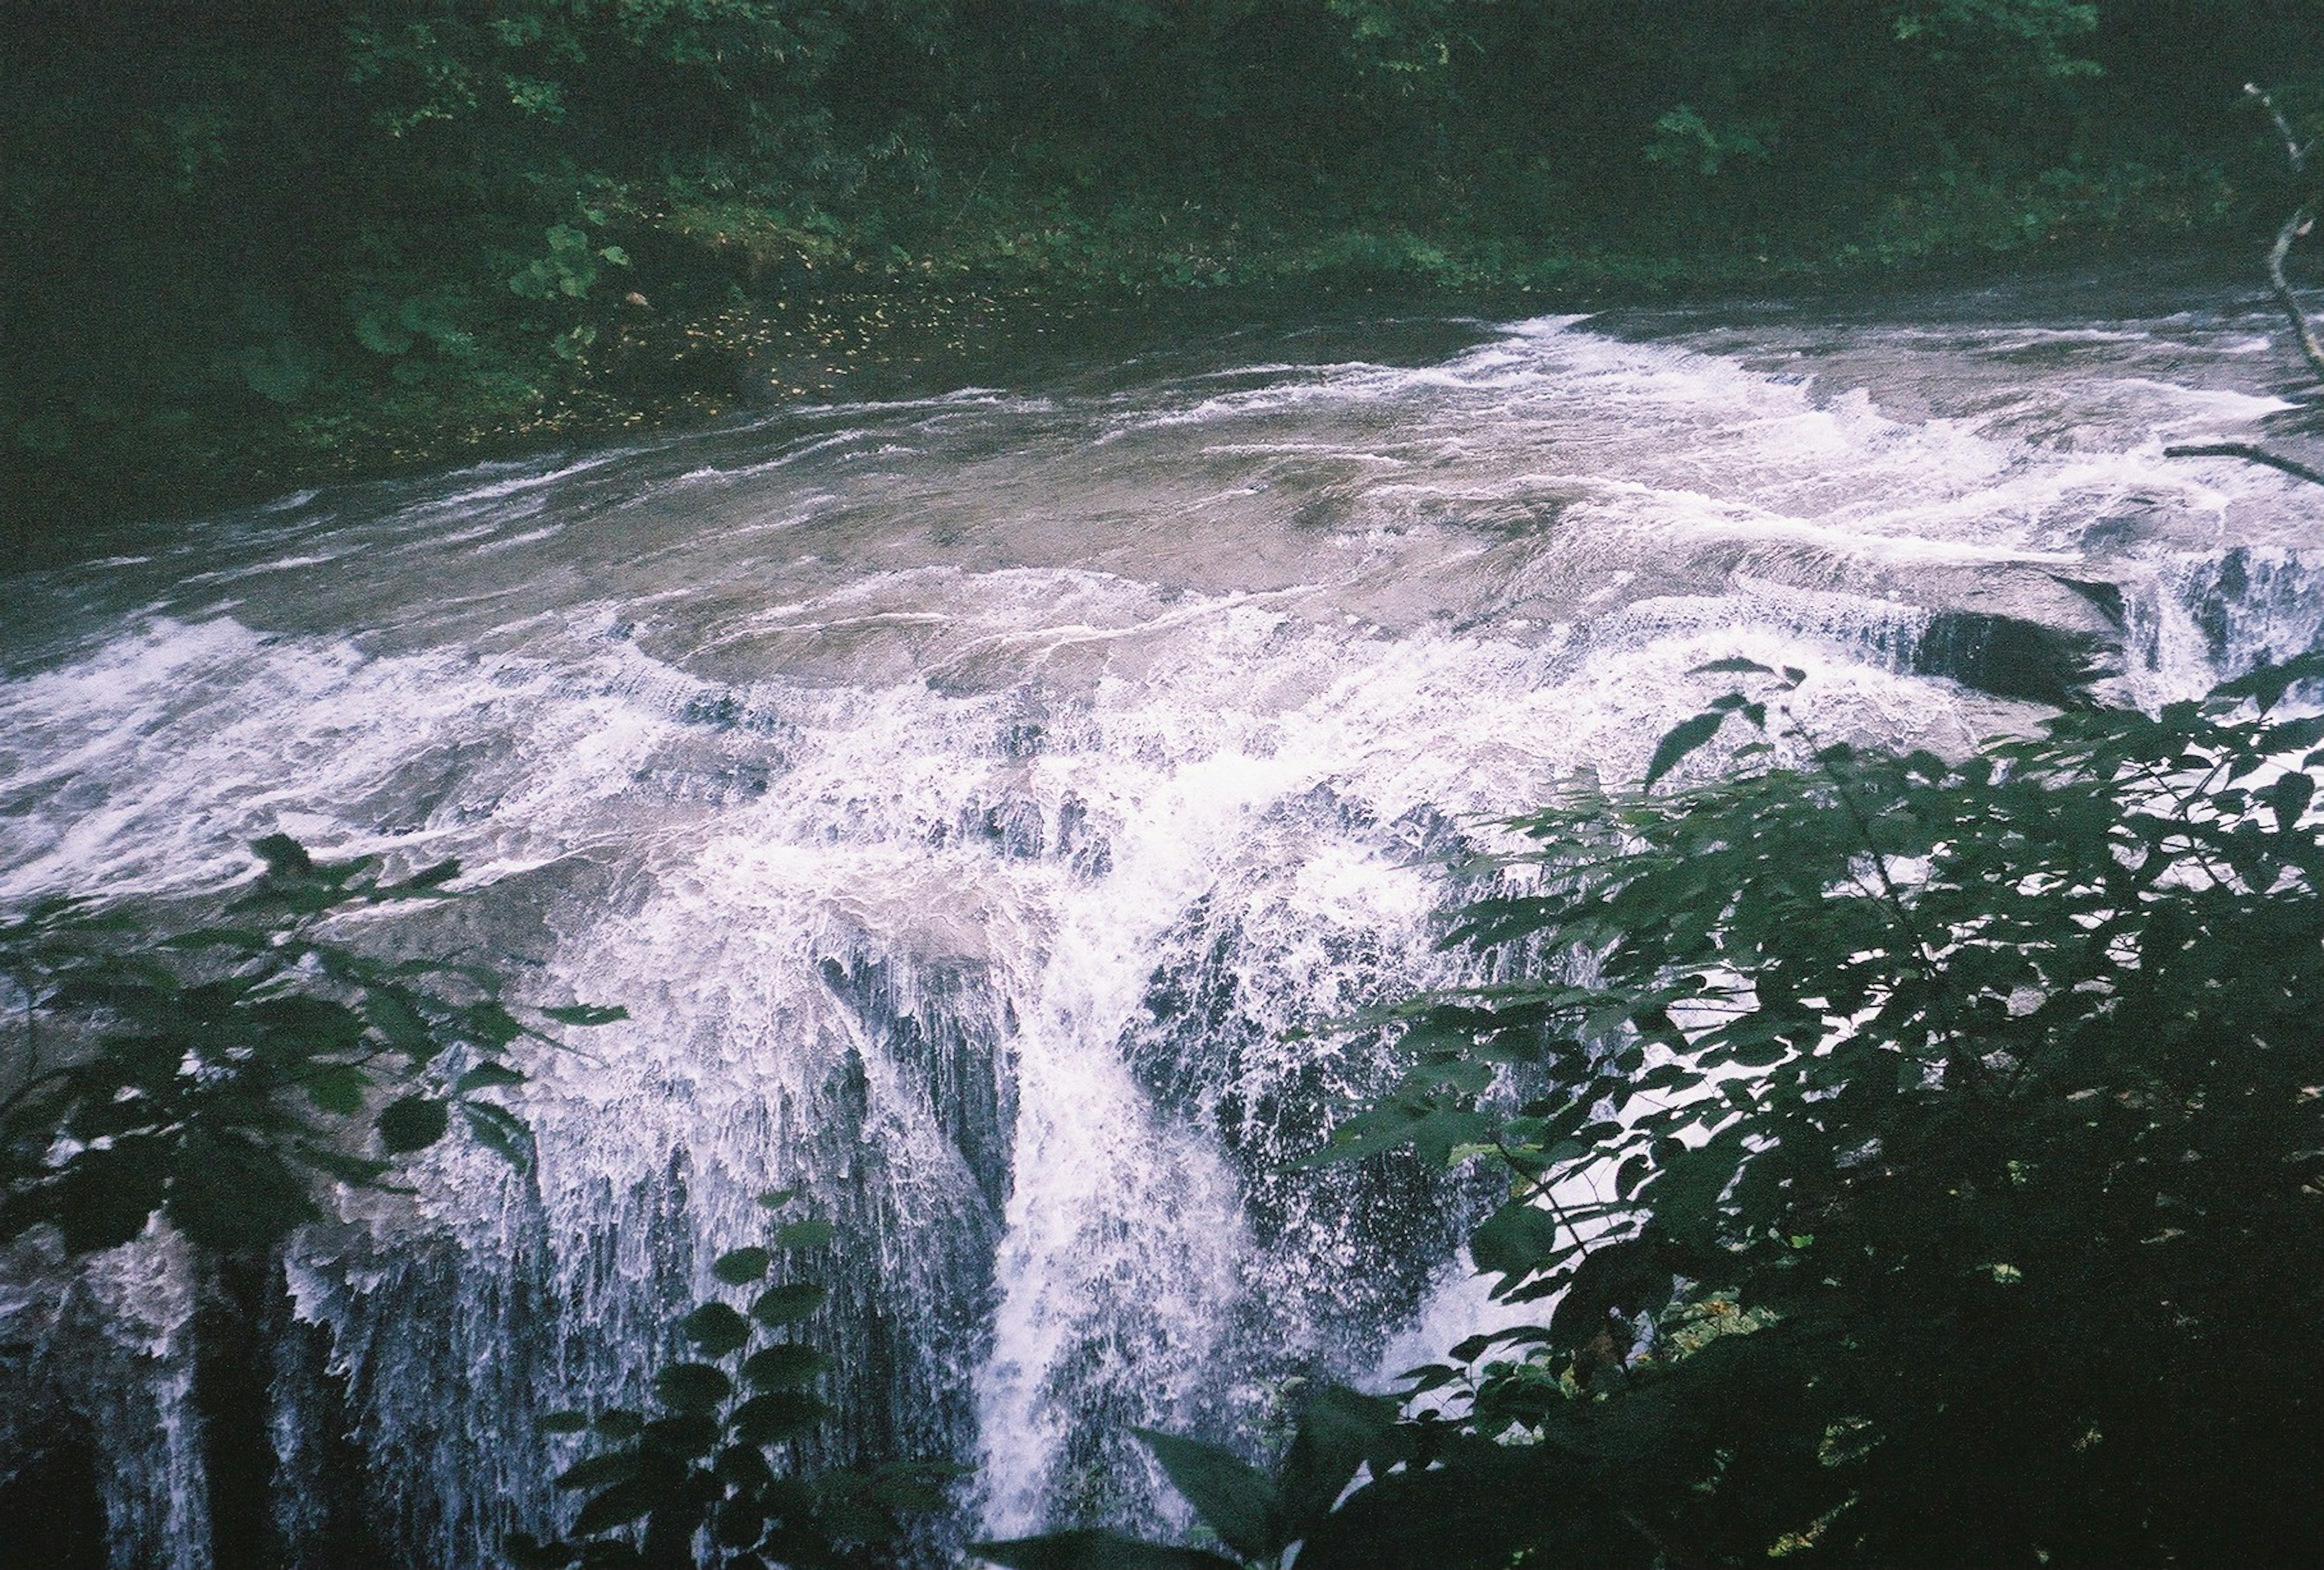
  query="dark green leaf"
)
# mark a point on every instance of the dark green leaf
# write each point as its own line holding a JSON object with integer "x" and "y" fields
{"x": 501, "y": 1132}
{"x": 687, "y": 1435}
{"x": 597, "y": 1471}
{"x": 566, "y": 1422}
{"x": 692, "y": 1387}
{"x": 1234, "y": 1498}
{"x": 783, "y": 1365}
{"x": 805, "y": 1235}
{"x": 283, "y": 855}
{"x": 107, "y": 1196}
{"x": 1515, "y": 1241}
{"x": 716, "y": 1329}
{"x": 788, "y": 1305}
{"x": 394, "y": 1014}
{"x": 432, "y": 876}
{"x": 586, "y": 1013}
{"x": 740, "y": 1267}
{"x": 235, "y": 1197}
{"x": 778, "y": 1416}
{"x": 619, "y": 1505}
{"x": 1680, "y": 741}
{"x": 530, "y": 1554}
{"x": 414, "y": 1123}
{"x": 485, "y": 1076}
{"x": 1339, "y": 1429}
{"x": 338, "y": 1088}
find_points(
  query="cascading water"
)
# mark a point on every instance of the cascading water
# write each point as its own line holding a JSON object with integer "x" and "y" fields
{"x": 964, "y": 796}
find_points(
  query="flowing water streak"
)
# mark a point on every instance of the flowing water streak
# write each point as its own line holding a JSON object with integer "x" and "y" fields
{"x": 965, "y": 795}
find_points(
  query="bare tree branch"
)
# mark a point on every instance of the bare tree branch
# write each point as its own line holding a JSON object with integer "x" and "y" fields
{"x": 2298, "y": 225}
{"x": 2244, "y": 449}
{"x": 2294, "y": 227}
{"x": 2303, "y": 330}
{"x": 2293, "y": 148}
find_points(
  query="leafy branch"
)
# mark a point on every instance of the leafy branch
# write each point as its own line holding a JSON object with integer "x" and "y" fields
{"x": 713, "y": 1478}
{"x": 223, "y": 1074}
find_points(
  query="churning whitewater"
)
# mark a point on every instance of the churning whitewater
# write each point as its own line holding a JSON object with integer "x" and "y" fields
{"x": 966, "y": 796}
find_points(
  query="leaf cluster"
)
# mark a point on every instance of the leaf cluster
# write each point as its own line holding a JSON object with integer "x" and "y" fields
{"x": 711, "y": 1477}
{"x": 223, "y": 1074}
{"x": 1919, "y": 1158}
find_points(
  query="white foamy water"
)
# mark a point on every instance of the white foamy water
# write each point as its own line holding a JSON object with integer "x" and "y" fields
{"x": 965, "y": 795}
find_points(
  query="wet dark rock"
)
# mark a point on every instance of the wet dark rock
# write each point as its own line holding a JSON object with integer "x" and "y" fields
{"x": 51, "y": 1515}
{"x": 2010, "y": 657}
{"x": 943, "y": 1035}
{"x": 1012, "y": 826}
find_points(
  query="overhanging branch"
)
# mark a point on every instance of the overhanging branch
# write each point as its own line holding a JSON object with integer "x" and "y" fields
{"x": 2297, "y": 227}
{"x": 2244, "y": 449}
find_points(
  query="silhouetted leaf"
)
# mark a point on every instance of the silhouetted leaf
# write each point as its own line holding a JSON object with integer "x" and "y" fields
{"x": 338, "y": 1088}
{"x": 501, "y": 1132}
{"x": 433, "y": 876}
{"x": 587, "y": 1013}
{"x": 692, "y": 1387}
{"x": 619, "y": 1505}
{"x": 777, "y": 1416}
{"x": 805, "y": 1235}
{"x": 783, "y": 1365}
{"x": 413, "y": 1122}
{"x": 1234, "y": 1498}
{"x": 716, "y": 1329}
{"x": 597, "y": 1471}
{"x": 1339, "y": 1429}
{"x": 105, "y": 1197}
{"x": 740, "y": 1267}
{"x": 281, "y": 854}
{"x": 786, "y": 1305}
{"x": 1515, "y": 1241}
{"x": 485, "y": 1076}
{"x": 1681, "y": 739}
{"x": 235, "y": 1197}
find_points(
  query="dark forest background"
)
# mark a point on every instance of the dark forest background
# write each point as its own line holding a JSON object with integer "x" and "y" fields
{"x": 249, "y": 244}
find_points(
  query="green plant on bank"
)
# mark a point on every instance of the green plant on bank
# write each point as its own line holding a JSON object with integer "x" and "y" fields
{"x": 1924, "y": 1158}
{"x": 222, "y": 1074}
{"x": 712, "y": 1478}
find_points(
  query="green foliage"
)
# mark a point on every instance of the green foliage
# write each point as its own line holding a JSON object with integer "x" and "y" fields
{"x": 462, "y": 221}
{"x": 1256, "y": 1516}
{"x": 224, "y": 1074}
{"x": 1913, "y": 1150}
{"x": 712, "y": 1481}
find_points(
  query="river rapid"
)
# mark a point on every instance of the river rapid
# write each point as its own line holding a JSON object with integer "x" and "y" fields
{"x": 965, "y": 793}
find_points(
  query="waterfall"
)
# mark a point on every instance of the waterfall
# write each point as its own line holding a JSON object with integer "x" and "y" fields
{"x": 966, "y": 795}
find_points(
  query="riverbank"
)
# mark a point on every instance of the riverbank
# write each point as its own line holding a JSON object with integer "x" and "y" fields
{"x": 793, "y": 324}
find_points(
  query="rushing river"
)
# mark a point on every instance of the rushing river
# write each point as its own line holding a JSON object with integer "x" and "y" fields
{"x": 963, "y": 794}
